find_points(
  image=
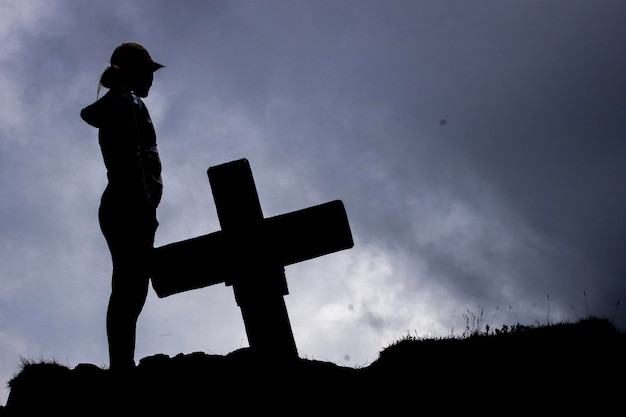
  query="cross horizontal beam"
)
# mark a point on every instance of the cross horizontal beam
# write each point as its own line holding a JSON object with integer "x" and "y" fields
{"x": 217, "y": 257}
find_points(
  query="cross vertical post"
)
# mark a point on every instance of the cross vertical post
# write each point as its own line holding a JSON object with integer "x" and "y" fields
{"x": 259, "y": 282}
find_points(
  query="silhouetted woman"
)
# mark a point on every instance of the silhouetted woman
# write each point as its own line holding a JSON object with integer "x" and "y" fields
{"x": 128, "y": 206}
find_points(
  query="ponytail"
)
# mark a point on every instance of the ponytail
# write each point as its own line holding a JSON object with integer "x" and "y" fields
{"x": 110, "y": 78}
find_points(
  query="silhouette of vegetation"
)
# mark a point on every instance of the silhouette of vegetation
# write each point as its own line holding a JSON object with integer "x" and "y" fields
{"x": 555, "y": 366}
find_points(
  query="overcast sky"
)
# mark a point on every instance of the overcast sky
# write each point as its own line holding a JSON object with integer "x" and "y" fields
{"x": 479, "y": 148}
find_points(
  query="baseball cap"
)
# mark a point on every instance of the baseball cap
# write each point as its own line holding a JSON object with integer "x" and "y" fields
{"x": 129, "y": 55}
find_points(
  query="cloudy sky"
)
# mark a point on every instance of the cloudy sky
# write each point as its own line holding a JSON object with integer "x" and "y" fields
{"x": 479, "y": 148}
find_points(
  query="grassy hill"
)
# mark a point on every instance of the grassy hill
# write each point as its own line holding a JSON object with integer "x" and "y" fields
{"x": 565, "y": 367}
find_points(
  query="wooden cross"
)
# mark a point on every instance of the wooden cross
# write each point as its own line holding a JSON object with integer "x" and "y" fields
{"x": 250, "y": 253}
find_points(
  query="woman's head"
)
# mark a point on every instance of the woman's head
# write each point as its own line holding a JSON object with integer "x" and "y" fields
{"x": 131, "y": 67}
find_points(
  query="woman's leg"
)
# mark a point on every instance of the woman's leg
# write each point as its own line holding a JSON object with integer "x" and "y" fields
{"x": 130, "y": 242}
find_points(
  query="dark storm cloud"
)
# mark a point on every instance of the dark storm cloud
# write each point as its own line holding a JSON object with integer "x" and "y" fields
{"x": 549, "y": 138}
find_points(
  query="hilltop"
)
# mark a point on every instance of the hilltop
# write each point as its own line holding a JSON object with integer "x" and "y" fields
{"x": 566, "y": 366}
